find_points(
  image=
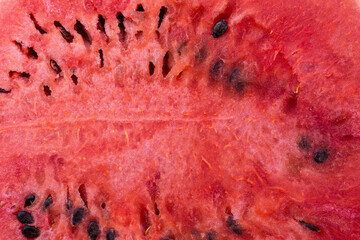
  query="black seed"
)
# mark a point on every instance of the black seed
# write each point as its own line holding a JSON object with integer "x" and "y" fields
{"x": 77, "y": 216}
{"x": 65, "y": 33}
{"x": 31, "y": 53}
{"x": 68, "y": 202}
{"x": 101, "y": 26}
{"x": 29, "y": 200}
{"x": 25, "y": 217}
{"x": 5, "y": 91}
{"x": 48, "y": 201}
{"x": 122, "y": 35}
{"x": 163, "y": 11}
{"x": 219, "y": 28}
{"x": 321, "y": 155}
{"x": 236, "y": 80}
{"x": 15, "y": 74}
{"x": 304, "y": 143}
{"x": 80, "y": 29}
{"x": 156, "y": 209}
{"x": 110, "y": 234}
{"x": 30, "y": 232}
{"x": 74, "y": 78}
{"x": 54, "y": 66}
{"x": 233, "y": 225}
{"x": 151, "y": 68}
{"x": 101, "y": 55}
{"x": 310, "y": 226}
{"x": 93, "y": 230}
{"x": 47, "y": 90}
{"x": 139, "y": 8}
{"x": 37, "y": 26}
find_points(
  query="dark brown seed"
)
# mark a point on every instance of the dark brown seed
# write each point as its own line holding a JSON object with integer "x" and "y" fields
{"x": 37, "y": 26}
{"x": 219, "y": 29}
{"x": 77, "y": 216}
{"x": 139, "y": 8}
{"x": 48, "y": 201}
{"x": 110, "y": 234}
{"x": 74, "y": 78}
{"x": 151, "y": 68}
{"x": 25, "y": 217}
{"x": 5, "y": 91}
{"x": 30, "y": 232}
{"x": 321, "y": 155}
{"x": 310, "y": 226}
{"x": 163, "y": 11}
{"x": 101, "y": 55}
{"x": 54, "y": 66}
{"x": 80, "y": 29}
{"x": 101, "y": 26}
{"x": 65, "y": 33}
{"x": 47, "y": 90}
{"x": 93, "y": 230}
{"x": 122, "y": 35}
{"x": 29, "y": 200}
{"x": 237, "y": 80}
{"x": 233, "y": 225}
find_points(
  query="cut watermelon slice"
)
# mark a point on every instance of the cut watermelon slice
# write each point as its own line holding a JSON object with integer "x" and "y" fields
{"x": 179, "y": 120}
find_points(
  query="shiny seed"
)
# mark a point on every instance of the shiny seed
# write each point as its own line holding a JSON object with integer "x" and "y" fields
{"x": 219, "y": 29}
{"x": 77, "y": 216}
{"x": 29, "y": 200}
{"x": 321, "y": 155}
{"x": 25, "y": 217}
{"x": 93, "y": 230}
{"x": 30, "y": 232}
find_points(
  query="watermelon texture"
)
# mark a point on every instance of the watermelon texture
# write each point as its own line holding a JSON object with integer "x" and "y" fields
{"x": 181, "y": 120}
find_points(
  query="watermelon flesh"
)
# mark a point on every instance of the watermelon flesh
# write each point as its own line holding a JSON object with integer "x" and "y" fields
{"x": 136, "y": 113}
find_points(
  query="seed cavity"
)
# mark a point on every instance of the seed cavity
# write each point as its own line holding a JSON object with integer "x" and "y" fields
{"x": 237, "y": 80}
{"x": 163, "y": 11}
{"x": 321, "y": 155}
{"x": 122, "y": 35}
{"x": 77, "y": 216}
{"x": 47, "y": 90}
{"x": 37, "y": 26}
{"x": 28, "y": 51}
{"x": 110, "y": 234}
{"x": 15, "y": 74}
{"x": 68, "y": 202}
{"x": 74, "y": 78}
{"x": 64, "y": 33}
{"x": 80, "y": 29}
{"x": 25, "y": 217}
{"x": 101, "y": 55}
{"x": 83, "y": 194}
{"x": 101, "y": 26}
{"x": 93, "y": 230}
{"x": 304, "y": 143}
{"x": 2, "y": 90}
{"x": 48, "y": 202}
{"x": 310, "y": 226}
{"x": 30, "y": 232}
{"x": 29, "y": 200}
{"x": 156, "y": 209}
{"x": 211, "y": 236}
{"x": 140, "y": 8}
{"x": 219, "y": 29}
{"x": 151, "y": 68}
{"x": 233, "y": 225}
{"x": 145, "y": 221}
{"x": 166, "y": 68}
{"x": 216, "y": 70}
{"x": 55, "y": 67}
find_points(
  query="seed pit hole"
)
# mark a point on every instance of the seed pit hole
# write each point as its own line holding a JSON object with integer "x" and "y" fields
{"x": 37, "y": 26}
{"x": 15, "y": 74}
{"x": 167, "y": 64}
{"x": 80, "y": 29}
{"x": 163, "y": 11}
{"x": 101, "y": 55}
{"x": 151, "y": 68}
{"x": 47, "y": 90}
{"x": 74, "y": 78}
{"x": 145, "y": 221}
{"x": 28, "y": 51}
{"x": 48, "y": 200}
{"x": 139, "y": 35}
{"x": 156, "y": 209}
{"x": 140, "y": 8}
{"x": 68, "y": 203}
{"x": 56, "y": 68}
{"x": 2, "y": 90}
{"x": 101, "y": 26}
{"x": 83, "y": 194}
{"x": 64, "y": 33}
{"x": 122, "y": 35}
{"x": 103, "y": 205}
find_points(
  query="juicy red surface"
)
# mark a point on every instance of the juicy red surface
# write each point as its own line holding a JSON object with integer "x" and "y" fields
{"x": 179, "y": 153}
